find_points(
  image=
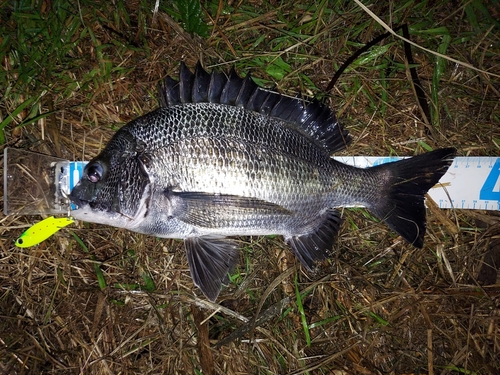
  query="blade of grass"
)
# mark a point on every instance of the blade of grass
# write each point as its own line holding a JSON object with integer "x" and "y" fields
{"x": 417, "y": 86}
{"x": 384, "y": 95}
{"x": 300, "y": 308}
{"x": 97, "y": 266}
{"x": 436, "y": 78}
{"x": 377, "y": 318}
{"x": 149, "y": 284}
{"x": 50, "y": 308}
{"x": 14, "y": 113}
{"x": 324, "y": 321}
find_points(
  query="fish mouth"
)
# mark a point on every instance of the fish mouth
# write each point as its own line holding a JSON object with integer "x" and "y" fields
{"x": 80, "y": 203}
{"x": 75, "y": 197}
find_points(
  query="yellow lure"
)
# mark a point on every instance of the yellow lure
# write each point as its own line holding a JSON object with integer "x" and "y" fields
{"x": 42, "y": 230}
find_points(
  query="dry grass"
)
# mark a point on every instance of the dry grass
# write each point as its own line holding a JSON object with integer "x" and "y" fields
{"x": 378, "y": 306}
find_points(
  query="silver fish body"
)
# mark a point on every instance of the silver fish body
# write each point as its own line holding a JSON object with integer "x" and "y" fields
{"x": 223, "y": 157}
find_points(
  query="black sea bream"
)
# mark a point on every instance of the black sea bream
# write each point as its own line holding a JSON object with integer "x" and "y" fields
{"x": 223, "y": 157}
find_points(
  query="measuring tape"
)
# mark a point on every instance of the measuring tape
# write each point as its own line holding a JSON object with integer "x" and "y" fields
{"x": 471, "y": 182}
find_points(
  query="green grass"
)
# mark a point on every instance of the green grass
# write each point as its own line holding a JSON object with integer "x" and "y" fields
{"x": 43, "y": 59}
{"x": 190, "y": 14}
{"x": 101, "y": 280}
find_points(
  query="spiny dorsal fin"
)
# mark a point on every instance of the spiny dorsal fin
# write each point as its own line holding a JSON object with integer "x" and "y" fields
{"x": 312, "y": 116}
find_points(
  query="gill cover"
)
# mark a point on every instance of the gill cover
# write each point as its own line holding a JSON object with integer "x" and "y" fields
{"x": 116, "y": 180}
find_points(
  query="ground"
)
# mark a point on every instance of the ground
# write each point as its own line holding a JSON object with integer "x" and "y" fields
{"x": 99, "y": 300}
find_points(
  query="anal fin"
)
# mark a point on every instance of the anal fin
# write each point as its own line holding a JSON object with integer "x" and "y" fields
{"x": 314, "y": 246}
{"x": 210, "y": 260}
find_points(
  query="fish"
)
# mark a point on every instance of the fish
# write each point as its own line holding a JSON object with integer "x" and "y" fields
{"x": 223, "y": 157}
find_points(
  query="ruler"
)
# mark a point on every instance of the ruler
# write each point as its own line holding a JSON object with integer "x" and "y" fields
{"x": 471, "y": 182}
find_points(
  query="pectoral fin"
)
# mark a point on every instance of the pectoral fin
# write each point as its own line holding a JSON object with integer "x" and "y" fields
{"x": 209, "y": 210}
{"x": 210, "y": 260}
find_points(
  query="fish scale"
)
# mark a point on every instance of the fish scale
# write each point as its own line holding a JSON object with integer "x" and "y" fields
{"x": 224, "y": 157}
{"x": 241, "y": 151}
{"x": 217, "y": 121}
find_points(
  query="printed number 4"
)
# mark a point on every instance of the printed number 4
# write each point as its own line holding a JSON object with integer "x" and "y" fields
{"x": 491, "y": 188}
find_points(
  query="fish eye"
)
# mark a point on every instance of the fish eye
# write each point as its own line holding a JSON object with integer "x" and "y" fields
{"x": 94, "y": 173}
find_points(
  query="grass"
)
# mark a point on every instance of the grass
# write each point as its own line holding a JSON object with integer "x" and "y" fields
{"x": 106, "y": 301}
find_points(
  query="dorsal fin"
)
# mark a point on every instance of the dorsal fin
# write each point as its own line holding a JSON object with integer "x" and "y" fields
{"x": 312, "y": 116}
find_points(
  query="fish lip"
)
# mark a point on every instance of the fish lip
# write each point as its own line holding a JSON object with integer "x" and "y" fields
{"x": 78, "y": 201}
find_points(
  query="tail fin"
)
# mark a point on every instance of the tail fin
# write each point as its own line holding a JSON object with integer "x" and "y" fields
{"x": 402, "y": 203}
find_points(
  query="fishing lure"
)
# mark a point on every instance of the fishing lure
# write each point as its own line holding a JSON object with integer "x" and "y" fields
{"x": 42, "y": 230}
